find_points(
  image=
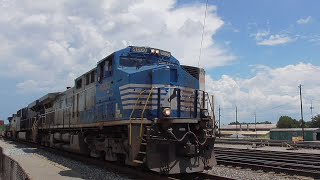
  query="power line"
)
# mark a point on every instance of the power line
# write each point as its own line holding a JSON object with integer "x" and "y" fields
{"x": 204, "y": 24}
{"x": 276, "y": 106}
{"x": 237, "y": 121}
{"x": 226, "y": 108}
{"x": 255, "y": 123}
{"x": 219, "y": 123}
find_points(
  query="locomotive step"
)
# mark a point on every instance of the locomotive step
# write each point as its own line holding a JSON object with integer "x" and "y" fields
{"x": 144, "y": 139}
{"x": 138, "y": 161}
{"x": 142, "y": 152}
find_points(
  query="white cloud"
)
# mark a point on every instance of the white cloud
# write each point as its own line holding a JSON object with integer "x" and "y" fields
{"x": 50, "y": 43}
{"x": 31, "y": 85}
{"x": 314, "y": 39}
{"x": 271, "y": 92}
{"x": 304, "y": 20}
{"x": 274, "y": 40}
{"x": 260, "y": 35}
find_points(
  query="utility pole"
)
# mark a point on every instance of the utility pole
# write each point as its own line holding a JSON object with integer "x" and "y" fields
{"x": 311, "y": 108}
{"x": 237, "y": 121}
{"x": 255, "y": 124}
{"x": 214, "y": 123}
{"x": 219, "y": 123}
{"x": 302, "y": 123}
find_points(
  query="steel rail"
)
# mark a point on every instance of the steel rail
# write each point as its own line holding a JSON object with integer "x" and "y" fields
{"x": 291, "y": 163}
{"x": 252, "y": 165}
{"x": 281, "y": 154}
{"x": 268, "y": 157}
{"x": 259, "y": 160}
{"x": 280, "y": 143}
{"x": 198, "y": 175}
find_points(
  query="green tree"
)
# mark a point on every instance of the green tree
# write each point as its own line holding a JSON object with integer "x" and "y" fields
{"x": 264, "y": 122}
{"x": 307, "y": 124}
{"x": 315, "y": 122}
{"x": 287, "y": 122}
{"x": 234, "y": 123}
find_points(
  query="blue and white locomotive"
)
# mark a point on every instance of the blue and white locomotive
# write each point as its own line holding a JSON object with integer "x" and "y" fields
{"x": 138, "y": 106}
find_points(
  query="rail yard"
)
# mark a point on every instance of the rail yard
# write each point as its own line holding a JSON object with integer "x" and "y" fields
{"x": 159, "y": 90}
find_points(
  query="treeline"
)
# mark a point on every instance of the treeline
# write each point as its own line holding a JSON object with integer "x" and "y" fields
{"x": 288, "y": 122}
{"x": 264, "y": 122}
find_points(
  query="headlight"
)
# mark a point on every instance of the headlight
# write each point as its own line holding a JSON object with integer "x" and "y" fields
{"x": 205, "y": 113}
{"x": 166, "y": 112}
{"x": 157, "y": 51}
{"x": 153, "y": 51}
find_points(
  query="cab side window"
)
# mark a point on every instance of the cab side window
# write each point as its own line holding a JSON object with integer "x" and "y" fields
{"x": 79, "y": 83}
{"x": 106, "y": 68}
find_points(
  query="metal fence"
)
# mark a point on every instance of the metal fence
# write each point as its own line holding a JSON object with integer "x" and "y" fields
{"x": 10, "y": 169}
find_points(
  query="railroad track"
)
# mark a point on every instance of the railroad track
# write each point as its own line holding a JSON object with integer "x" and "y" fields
{"x": 287, "y": 162}
{"x": 279, "y": 143}
{"x": 134, "y": 173}
{"x": 197, "y": 176}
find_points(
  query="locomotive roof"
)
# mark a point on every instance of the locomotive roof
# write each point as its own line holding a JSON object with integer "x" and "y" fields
{"x": 93, "y": 69}
{"x": 145, "y": 50}
{"x": 44, "y": 99}
{"x": 128, "y": 50}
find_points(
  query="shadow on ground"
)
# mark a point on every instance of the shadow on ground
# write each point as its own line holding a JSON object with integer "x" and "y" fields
{"x": 75, "y": 167}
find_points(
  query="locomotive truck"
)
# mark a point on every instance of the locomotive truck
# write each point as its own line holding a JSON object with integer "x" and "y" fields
{"x": 138, "y": 106}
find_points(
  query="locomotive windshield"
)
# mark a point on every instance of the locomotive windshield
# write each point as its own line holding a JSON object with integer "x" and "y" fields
{"x": 135, "y": 62}
{"x": 139, "y": 62}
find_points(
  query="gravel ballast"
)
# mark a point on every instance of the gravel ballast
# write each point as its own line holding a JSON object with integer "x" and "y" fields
{"x": 248, "y": 174}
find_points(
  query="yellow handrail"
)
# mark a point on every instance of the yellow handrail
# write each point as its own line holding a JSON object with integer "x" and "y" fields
{"x": 145, "y": 106}
{"x": 134, "y": 108}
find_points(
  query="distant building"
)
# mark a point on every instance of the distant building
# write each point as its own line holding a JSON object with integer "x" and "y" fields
{"x": 1, "y": 126}
{"x": 310, "y": 134}
{"x": 247, "y": 130}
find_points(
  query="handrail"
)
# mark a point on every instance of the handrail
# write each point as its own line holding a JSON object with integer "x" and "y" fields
{"x": 145, "y": 106}
{"x": 212, "y": 109}
{"x": 34, "y": 123}
{"x": 134, "y": 108}
{"x": 35, "y": 129}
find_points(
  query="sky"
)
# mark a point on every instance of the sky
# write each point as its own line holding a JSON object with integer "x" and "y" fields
{"x": 255, "y": 53}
